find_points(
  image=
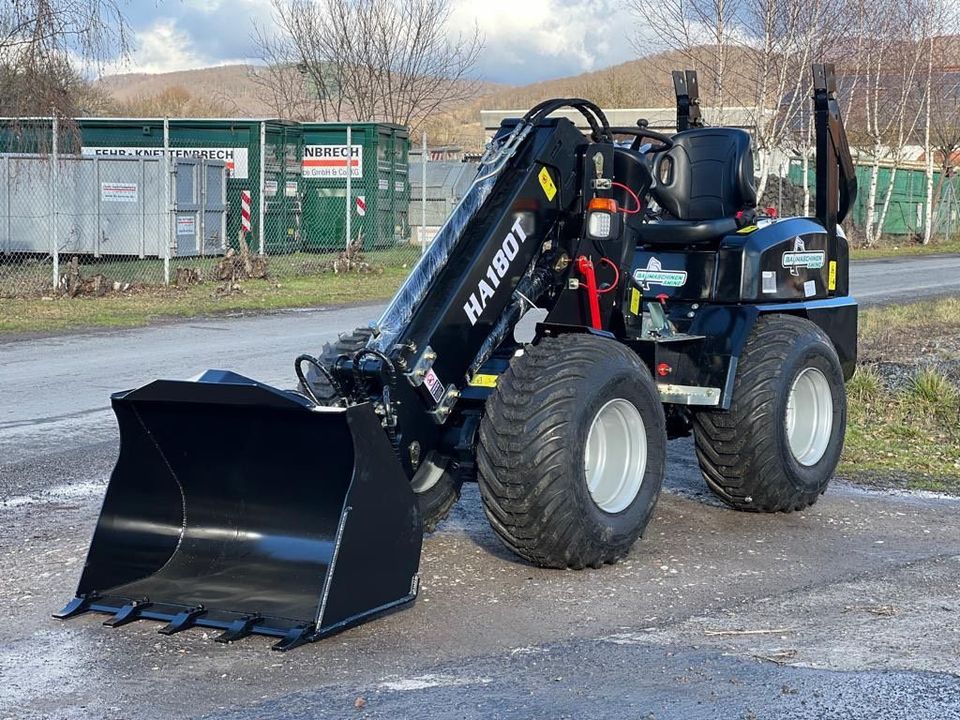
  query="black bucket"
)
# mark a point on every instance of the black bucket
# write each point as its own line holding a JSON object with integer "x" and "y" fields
{"x": 237, "y": 506}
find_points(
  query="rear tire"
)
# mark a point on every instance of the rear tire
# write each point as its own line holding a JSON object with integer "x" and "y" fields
{"x": 436, "y": 495}
{"x": 571, "y": 452}
{"x": 777, "y": 447}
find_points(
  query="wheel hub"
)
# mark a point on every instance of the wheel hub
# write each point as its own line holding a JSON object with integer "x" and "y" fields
{"x": 615, "y": 457}
{"x": 809, "y": 416}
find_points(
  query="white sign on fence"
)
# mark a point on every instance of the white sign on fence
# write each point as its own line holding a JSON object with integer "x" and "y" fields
{"x": 186, "y": 225}
{"x": 118, "y": 192}
{"x": 361, "y": 204}
{"x": 330, "y": 161}
{"x": 234, "y": 158}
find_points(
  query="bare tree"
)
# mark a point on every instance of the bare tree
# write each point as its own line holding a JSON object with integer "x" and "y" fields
{"x": 698, "y": 30}
{"x": 282, "y": 81}
{"x": 173, "y": 101}
{"x": 943, "y": 143}
{"x": 939, "y": 96}
{"x": 890, "y": 61}
{"x": 385, "y": 60}
{"x": 41, "y": 44}
{"x": 781, "y": 38}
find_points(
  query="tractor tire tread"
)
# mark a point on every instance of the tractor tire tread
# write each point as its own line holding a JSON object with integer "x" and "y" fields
{"x": 524, "y": 428}
{"x": 739, "y": 458}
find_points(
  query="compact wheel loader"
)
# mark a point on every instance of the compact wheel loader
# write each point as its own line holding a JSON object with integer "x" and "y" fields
{"x": 594, "y": 294}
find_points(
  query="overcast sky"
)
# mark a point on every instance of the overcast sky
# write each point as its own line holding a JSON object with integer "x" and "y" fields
{"x": 526, "y": 40}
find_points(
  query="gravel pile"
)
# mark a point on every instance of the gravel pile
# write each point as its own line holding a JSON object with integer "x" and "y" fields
{"x": 897, "y": 376}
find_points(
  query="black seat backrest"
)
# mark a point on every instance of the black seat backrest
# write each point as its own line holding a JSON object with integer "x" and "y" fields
{"x": 706, "y": 175}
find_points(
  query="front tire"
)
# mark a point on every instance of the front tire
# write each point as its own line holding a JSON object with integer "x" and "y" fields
{"x": 571, "y": 452}
{"x": 778, "y": 446}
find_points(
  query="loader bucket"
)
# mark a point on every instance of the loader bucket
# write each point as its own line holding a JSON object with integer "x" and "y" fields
{"x": 237, "y": 506}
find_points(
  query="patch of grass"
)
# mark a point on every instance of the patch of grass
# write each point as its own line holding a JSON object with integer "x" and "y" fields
{"x": 296, "y": 280}
{"x": 896, "y": 249}
{"x": 911, "y": 437}
{"x": 865, "y": 385}
{"x": 892, "y": 331}
{"x": 34, "y": 277}
{"x": 146, "y": 306}
{"x": 929, "y": 387}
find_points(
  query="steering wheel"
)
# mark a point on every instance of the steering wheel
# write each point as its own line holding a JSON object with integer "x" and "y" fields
{"x": 639, "y": 133}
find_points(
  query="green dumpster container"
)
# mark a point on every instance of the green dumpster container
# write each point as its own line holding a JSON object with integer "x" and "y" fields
{"x": 380, "y": 191}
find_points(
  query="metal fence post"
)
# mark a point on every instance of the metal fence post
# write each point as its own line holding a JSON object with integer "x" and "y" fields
{"x": 261, "y": 211}
{"x": 168, "y": 186}
{"x": 349, "y": 179}
{"x": 423, "y": 193}
{"x": 54, "y": 180}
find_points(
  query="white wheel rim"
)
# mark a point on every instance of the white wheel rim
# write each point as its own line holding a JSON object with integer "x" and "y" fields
{"x": 615, "y": 457}
{"x": 809, "y": 416}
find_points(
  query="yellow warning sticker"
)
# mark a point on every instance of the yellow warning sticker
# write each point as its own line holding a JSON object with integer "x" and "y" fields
{"x": 746, "y": 230}
{"x": 634, "y": 301}
{"x": 484, "y": 380}
{"x": 832, "y": 276}
{"x": 546, "y": 182}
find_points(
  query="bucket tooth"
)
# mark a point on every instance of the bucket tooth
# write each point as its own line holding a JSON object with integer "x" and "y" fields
{"x": 295, "y": 637}
{"x": 239, "y": 629}
{"x": 183, "y": 620}
{"x": 128, "y": 613}
{"x": 247, "y": 509}
{"x": 77, "y": 606}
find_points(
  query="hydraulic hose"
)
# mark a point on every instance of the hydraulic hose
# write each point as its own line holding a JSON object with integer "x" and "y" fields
{"x": 595, "y": 117}
{"x": 334, "y": 383}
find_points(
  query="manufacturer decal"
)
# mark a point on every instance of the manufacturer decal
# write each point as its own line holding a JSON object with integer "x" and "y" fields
{"x": 433, "y": 385}
{"x": 654, "y": 274}
{"x": 496, "y": 271}
{"x": 484, "y": 380}
{"x": 832, "y": 276}
{"x": 800, "y": 257}
{"x": 546, "y": 182}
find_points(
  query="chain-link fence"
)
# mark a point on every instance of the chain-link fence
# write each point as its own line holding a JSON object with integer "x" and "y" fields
{"x": 905, "y": 201}
{"x": 117, "y": 204}
{"x": 104, "y": 205}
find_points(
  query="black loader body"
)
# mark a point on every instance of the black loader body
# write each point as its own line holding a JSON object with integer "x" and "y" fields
{"x": 589, "y": 297}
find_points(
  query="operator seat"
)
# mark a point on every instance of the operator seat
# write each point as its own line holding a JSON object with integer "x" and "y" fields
{"x": 703, "y": 182}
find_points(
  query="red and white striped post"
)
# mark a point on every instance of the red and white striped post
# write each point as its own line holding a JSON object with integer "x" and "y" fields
{"x": 245, "y": 211}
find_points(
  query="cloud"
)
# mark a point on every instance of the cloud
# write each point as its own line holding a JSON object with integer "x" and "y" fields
{"x": 182, "y": 34}
{"x": 530, "y": 40}
{"x": 526, "y": 40}
{"x": 163, "y": 47}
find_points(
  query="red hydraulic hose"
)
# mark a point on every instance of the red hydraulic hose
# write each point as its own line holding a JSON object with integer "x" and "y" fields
{"x": 585, "y": 268}
{"x": 637, "y": 204}
{"x": 616, "y": 276}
